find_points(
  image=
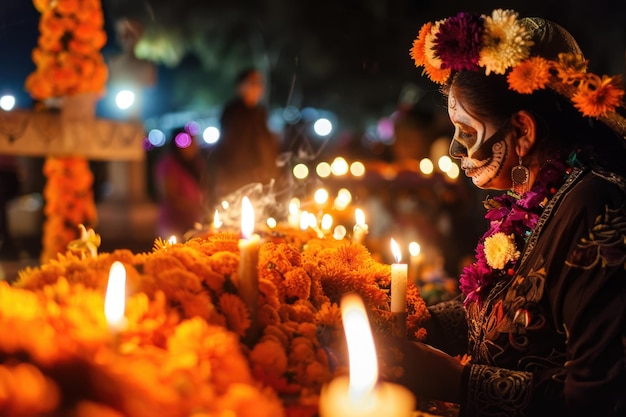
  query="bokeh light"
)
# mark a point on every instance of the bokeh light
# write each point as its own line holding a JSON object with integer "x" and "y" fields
{"x": 300, "y": 171}
{"x": 414, "y": 248}
{"x": 323, "y": 127}
{"x": 7, "y": 102}
{"x": 156, "y": 137}
{"x": 444, "y": 163}
{"x": 183, "y": 140}
{"x": 327, "y": 221}
{"x": 343, "y": 199}
{"x": 124, "y": 99}
{"x": 211, "y": 135}
{"x": 357, "y": 169}
{"x": 339, "y": 166}
{"x": 454, "y": 171}
{"x": 323, "y": 169}
{"x": 339, "y": 232}
{"x": 426, "y": 166}
{"x": 321, "y": 196}
{"x": 271, "y": 222}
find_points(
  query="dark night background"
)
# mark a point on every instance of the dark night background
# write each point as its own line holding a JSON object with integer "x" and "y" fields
{"x": 349, "y": 57}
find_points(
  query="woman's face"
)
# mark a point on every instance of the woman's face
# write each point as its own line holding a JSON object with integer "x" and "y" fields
{"x": 487, "y": 152}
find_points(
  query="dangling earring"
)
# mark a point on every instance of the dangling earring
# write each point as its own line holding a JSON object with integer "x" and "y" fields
{"x": 520, "y": 175}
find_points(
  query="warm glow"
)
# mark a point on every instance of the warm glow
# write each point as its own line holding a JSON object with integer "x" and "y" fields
{"x": 271, "y": 222}
{"x": 247, "y": 218}
{"x": 395, "y": 250}
{"x": 323, "y": 169}
{"x": 172, "y": 240}
{"x": 414, "y": 248}
{"x": 361, "y": 350}
{"x": 321, "y": 196}
{"x": 454, "y": 171}
{"x": 445, "y": 163}
{"x": 225, "y": 204}
{"x": 327, "y": 221}
{"x": 304, "y": 220}
{"x": 300, "y": 171}
{"x": 357, "y": 169}
{"x": 339, "y": 166}
{"x": 343, "y": 199}
{"x": 426, "y": 166}
{"x": 217, "y": 222}
{"x": 339, "y": 232}
{"x": 115, "y": 299}
{"x": 294, "y": 206}
{"x": 360, "y": 217}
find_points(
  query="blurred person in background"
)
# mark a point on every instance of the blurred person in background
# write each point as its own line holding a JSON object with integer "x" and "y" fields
{"x": 9, "y": 189}
{"x": 247, "y": 150}
{"x": 181, "y": 179}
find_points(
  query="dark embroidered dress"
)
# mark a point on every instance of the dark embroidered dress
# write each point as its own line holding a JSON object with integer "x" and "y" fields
{"x": 548, "y": 338}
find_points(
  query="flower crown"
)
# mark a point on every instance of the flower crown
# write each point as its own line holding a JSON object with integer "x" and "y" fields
{"x": 500, "y": 44}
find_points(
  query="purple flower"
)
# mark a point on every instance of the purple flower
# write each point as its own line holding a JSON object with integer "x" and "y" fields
{"x": 458, "y": 42}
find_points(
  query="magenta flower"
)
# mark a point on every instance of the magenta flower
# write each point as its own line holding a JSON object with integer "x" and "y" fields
{"x": 458, "y": 41}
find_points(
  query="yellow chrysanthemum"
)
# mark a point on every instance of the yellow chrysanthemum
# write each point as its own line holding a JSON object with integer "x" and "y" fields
{"x": 598, "y": 95}
{"x": 500, "y": 249}
{"x": 505, "y": 42}
{"x": 530, "y": 75}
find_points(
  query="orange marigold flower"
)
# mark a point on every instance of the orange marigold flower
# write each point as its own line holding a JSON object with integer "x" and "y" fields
{"x": 270, "y": 356}
{"x": 597, "y": 95}
{"x": 298, "y": 284}
{"x": 529, "y": 75}
{"x": 268, "y": 291}
{"x": 570, "y": 67}
{"x": 224, "y": 263}
{"x": 268, "y": 315}
{"x": 417, "y": 50}
{"x": 329, "y": 315}
{"x": 237, "y": 315}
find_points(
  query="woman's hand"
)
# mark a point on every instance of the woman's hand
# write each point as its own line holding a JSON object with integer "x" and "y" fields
{"x": 429, "y": 372}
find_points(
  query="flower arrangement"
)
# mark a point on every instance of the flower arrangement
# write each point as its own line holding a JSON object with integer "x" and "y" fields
{"x": 500, "y": 44}
{"x": 512, "y": 219}
{"x": 182, "y": 351}
{"x": 67, "y": 57}
{"x": 69, "y": 202}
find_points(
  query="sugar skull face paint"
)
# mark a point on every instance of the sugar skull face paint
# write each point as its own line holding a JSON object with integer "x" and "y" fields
{"x": 482, "y": 159}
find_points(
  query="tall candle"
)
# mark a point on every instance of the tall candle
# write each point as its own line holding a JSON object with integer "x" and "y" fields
{"x": 248, "y": 266}
{"x": 115, "y": 298}
{"x": 398, "y": 281}
{"x": 360, "y": 227}
{"x": 361, "y": 394}
{"x": 415, "y": 262}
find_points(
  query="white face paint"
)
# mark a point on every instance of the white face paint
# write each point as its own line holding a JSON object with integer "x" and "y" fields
{"x": 482, "y": 158}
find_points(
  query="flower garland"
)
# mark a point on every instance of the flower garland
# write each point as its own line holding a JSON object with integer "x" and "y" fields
{"x": 68, "y": 63}
{"x": 69, "y": 203}
{"x": 180, "y": 352}
{"x": 67, "y": 57}
{"x": 512, "y": 219}
{"x": 499, "y": 43}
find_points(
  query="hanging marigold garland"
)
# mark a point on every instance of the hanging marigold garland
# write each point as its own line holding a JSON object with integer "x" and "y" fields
{"x": 68, "y": 63}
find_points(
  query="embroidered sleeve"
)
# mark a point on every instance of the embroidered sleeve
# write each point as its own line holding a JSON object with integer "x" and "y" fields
{"x": 447, "y": 329}
{"x": 490, "y": 391}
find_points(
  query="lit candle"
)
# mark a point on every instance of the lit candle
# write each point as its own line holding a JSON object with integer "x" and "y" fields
{"x": 360, "y": 227}
{"x": 361, "y": 394}
{"x": 398, "y": 281}
{"x": 115, "y": 298}
{"x": 172, "y": 240}
{"x": 294, "y": 213}
{"x": 415, "y": 261}
{"x": 327, "y": 222}
{"x": 217, "y": 222}
{"x": 248, "y": 266}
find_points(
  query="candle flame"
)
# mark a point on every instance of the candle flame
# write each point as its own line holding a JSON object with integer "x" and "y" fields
{"x": 247, "y": 218}
{"x": 327, "y": 221}
{"x": 395, "y": 250}
{"x": 414, "y": 248}
{"x": 217, "y": 222}
{"x": 361, "y": 350}
{"x": 172, "y": 240}
{"x": 360, "y": 217}
{"x": 115, "y": 299}
{"x": 304, "y": 220}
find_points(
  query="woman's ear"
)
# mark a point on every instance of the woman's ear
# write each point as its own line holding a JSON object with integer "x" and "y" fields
{"x": 526, "y": 132}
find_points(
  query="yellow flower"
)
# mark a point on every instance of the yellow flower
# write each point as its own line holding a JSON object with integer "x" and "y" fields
{"x": 88, "y": 242}
{"x": 500, "y": 249}
{"x": 505, "y": 42}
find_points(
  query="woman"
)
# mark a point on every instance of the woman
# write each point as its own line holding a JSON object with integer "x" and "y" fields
{"x": 181, "y": 180}
{"x": 543, "y": 311}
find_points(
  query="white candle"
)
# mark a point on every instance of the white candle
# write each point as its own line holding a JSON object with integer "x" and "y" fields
{"x": 398, "y": 281}
{"x": 360, "y": 227}
{"x": 415, "y": 261}
{"x": 217, "y": 222}
{"x": 361, "y": 394}
{"x": 248, "y": 264}
{"x": 115, "y": 298}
